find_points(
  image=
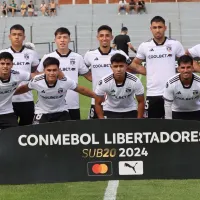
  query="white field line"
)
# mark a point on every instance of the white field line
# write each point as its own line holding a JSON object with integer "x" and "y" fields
{"x": 111, "y": 190}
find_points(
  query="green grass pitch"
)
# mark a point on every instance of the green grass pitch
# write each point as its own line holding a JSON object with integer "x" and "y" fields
{"x": 127, "y": 190}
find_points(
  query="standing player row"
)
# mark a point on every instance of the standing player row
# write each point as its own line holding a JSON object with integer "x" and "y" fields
{"x": 160, "y": 54}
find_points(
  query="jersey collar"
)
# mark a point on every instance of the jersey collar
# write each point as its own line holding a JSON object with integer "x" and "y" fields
{"x": 65, "y": 55}
{"x": 6, "y": 81}
{"x": 17, "y": 51}
{"x": 161, "y": 43}
{"x": 104, "y": 53}
{"x": 49, "y": 86}
{"x": 190, "y": 83}
{"x": 121, "y": 85}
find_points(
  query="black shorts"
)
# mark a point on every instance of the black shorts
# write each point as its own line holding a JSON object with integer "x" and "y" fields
{"x": 92, "y": 114}
{"x": 24, "y": 111}
{"x": 4, "y": 12}
{"x": 10, "y": 9}
{"x": 114, "y": 115}
{"x": 195, "y": 115}
{"x": 8, "y": 120}
{"x": 75, "y": 114}
{"x": 154, "y": 107}
{"x": 51, "y": 117}
{"x": 52, "y": 9}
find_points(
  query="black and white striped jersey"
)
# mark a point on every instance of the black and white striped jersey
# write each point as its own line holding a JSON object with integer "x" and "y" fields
{"x": 119, "y": 98}
{"x": 99, "y": 63}
{"x": 51, "y": 98}
{"x": 7, "y": 89}
{"x": 185, "y": 99}
{"x": 72, "y": 65}
{"x": 160, "y": 63}
{"x": 24, "y": 60}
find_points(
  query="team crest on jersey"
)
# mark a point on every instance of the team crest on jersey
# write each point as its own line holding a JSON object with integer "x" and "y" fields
{"x": 26, "y": 56}
{"x": 60, "y": 90}
{"x": 72, "y": 61}
{"x": 169, "y": 49}
{"x": 167, "y": 85}
{"x": 100, "y": 82}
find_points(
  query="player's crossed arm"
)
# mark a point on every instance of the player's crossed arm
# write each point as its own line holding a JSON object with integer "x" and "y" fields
{"x": 85, "y": 91}
{"x": 169, "y": 98}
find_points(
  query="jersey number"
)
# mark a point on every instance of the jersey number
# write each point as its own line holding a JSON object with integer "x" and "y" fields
{"x": 38, "y": 116}
{"x": 147, "y": 105}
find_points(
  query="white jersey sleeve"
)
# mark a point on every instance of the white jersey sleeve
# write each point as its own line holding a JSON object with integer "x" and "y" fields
{"x": 140, "y": 52}
{"x": 32, "y": 84}
{"x": 40, "y": 67}
{"x": 70, "y": 84}
{"x": 36, "y": 61}
{"x": 24, "y": 76}
{"x": 168, "y": 92}
{"x": 100, "y": 89}
{"x": 139, "y": 89}
{"x": 195, "y": 51}
{"x": 82, "y": 69}
{"x": 128, "y": 60}
{"x": 86, "y": 59}
{"x": 180, "y": 50}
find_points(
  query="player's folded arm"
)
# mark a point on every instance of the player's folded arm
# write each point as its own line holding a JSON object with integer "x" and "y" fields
{"x": 22, "y": 89}
{"x": 85, "y": 91}
{"x": 141, "y": 105}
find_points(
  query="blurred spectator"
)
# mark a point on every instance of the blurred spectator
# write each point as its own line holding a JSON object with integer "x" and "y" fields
{"x": 123, "y": 6}
{"x": 123, "y": 42}
{"x": 30, "y": 9}
{"x": 52, "y": 7}
{"x": 43, "y": 8}
{"x": 23, "y": 8}
{"x": 4, "y": 9}
{"x": 13, "y": 8}
{"x": 141, "y": 6}
{"x": 132, "y": 6}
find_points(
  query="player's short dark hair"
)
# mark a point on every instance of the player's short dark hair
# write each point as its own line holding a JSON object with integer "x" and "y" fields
{"x": 17, "y": 27}
{"x": 104, "y": 27}
{"x": 158, "y": 19}
{"x": 62, "y": 30}
{"x": 124, "y": 29}
{"x": 51, "y": 61}
{"x": 185, "y": 59}
{"x": 6, "y": 56}
{"x": 118, "y": 58}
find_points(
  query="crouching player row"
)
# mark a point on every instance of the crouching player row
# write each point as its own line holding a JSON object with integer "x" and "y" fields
{"x": 182, "y": 92}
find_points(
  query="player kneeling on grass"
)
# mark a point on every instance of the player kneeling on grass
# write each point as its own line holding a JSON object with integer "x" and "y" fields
{"x": 51, "y": 105}
{"x": 117, "y": 90}
{"x": 9, "y": 81}
{"x": 182, "y": 92}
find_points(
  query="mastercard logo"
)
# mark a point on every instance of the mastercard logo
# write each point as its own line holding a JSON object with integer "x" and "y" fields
{"x": 101, "y": 168}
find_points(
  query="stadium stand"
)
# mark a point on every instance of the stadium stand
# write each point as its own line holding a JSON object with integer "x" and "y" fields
{"x": 88, "y": 17}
